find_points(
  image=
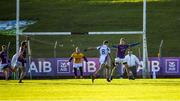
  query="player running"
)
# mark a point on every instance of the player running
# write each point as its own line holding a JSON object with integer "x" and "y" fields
{"x": 104, "y": 60}
{"x": 77, "y": 58}
{"x": 19, "y": 60}
{"x": 4, "y": 65}
{"x": 121, "y": 51}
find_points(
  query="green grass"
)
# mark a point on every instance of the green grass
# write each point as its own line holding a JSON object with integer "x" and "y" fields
{"x": 102, "y": 15}
{"x": 84, "y": 90}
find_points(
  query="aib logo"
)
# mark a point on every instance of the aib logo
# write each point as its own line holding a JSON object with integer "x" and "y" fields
{"x": 172, "y": 66}
{"x": 62, "y": 66}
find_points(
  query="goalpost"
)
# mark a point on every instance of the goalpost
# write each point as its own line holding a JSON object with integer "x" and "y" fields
{"x": 146, "y": 71}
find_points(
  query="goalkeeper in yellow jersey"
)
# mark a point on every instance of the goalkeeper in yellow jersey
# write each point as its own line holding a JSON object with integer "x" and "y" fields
{"x": 77, "y": 58}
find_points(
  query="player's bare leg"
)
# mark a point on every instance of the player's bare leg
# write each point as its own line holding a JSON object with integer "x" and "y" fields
{"x": 112, "y": 71}
{"x": 129, "y": 73}
{"x": 22, "y": 74}
{"x": 19, "y": 74}
{"x": 96, "y": 72}
{"x": 108, "y": 74}
{"x": 12, "y": 69}
{"x": 6, "y": 70}
{"x": 6, "y": 73}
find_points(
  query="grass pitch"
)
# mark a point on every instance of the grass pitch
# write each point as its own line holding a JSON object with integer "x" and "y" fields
{"x": 83, "y": 90}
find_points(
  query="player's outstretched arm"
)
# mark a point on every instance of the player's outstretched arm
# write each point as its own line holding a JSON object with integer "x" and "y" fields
{"x": 85, "y": 59}
{"x": 70, "y": 59}
{"x": 134, "y": 44}
{"x": 90, "y": 48}
{"x": 114, "y": 47}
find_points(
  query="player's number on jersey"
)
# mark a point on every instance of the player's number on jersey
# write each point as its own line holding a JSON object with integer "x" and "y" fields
{"x": 103, "y": 51}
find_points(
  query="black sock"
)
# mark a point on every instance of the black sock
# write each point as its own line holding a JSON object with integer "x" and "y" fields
{"x": 75, "y": 71}
{"x": 81, "y": 70}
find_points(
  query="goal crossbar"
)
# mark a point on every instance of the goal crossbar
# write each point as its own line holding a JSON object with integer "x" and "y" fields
{"x": 90, "y": 33}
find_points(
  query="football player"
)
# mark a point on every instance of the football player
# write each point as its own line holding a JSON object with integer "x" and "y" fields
{"x": 104, "y": 59}
{"x": 77, "y": 58}
{"x": 4, "y": 64}
{"x": 121, "y": 52}
{"x": 19, "y": 60}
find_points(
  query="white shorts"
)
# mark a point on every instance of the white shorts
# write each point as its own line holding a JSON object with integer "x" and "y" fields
{"x": 2, "y": 66}
{"x": 104, "y": 59}
{"x": 120, "y": 60}
{"x": 17, "y": 65}
{"x": 14, "y": 60}
{"x": 77, "y": 65}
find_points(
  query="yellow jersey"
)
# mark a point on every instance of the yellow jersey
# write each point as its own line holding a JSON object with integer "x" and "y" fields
{"x": 77, "y": 57}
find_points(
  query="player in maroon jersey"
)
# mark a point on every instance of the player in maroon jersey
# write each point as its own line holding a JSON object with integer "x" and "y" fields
{"x": 121, "y": 52}
{"x": 4, "y": 63}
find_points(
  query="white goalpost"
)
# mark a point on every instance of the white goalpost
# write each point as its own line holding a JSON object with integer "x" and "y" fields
{"x": 146, "y": 71}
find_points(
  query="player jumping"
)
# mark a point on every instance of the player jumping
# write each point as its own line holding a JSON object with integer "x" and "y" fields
{"x": 19, "y": 60}
{"x": 121, "y": 50}
{"x": 104, "y": 59}
{"x": 4, "y": 65}
{"x": 77, "y": 62}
